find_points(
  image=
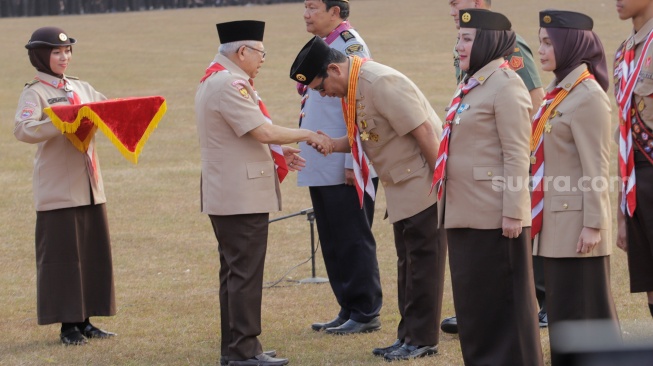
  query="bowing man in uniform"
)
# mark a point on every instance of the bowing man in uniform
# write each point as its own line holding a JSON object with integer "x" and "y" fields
{"x": 242, "y": 167}
{"x": 571, "y": 141}
{"x": 344, "y": 228}
{"x": 484, "y": 155}
{"x": 389, "y": 119}
{"x": 633, "y": 72}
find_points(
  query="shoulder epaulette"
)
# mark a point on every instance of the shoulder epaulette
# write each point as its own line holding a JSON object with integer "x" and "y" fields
{"x": 31, "y": 82}
{"x": 72, "y": 77}
{"x": 347, "y": 35}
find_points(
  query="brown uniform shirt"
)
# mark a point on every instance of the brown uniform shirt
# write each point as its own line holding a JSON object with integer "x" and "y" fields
{"x": 490, "y": 143}
{"x": 61, "y": 178}
{"x": 576, "y": 171}
{"x": 389, "y": 107}
{"x": 238, "y": 174}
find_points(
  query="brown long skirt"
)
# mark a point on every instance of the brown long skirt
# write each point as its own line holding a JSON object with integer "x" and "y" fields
{"x": 74, "y": 270}
{"x": 494, "y": 297}
{"x": 579, "y": 289}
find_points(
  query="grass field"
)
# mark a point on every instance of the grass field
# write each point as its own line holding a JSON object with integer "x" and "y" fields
{"x": 164, "y": 251}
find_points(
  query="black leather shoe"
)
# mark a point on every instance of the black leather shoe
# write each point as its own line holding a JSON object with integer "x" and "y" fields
{"x": 544, "y": 319}
{"x": 260, "y": 360}
{"x": 408, "y": 352}
{"x": 381, "y": 351}
{"x": 449, "y": 325}
{"x": 92, "y": 332}
{"x": 338, "y": 321}
{"x": 73, "y": 337}
{"x": 224, "y": 360}
{"x": 353, "y": 327}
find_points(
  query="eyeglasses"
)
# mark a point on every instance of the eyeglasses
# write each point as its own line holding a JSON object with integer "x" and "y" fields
{"x": 263, "y": 53}
{"x": 320, "y": 88}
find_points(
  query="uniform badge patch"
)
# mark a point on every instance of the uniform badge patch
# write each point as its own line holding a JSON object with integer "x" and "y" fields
{"x": 57, "y": 100}
{"x": 240, "y": 86}
{"x": 516, "y": 63}
{"x": 26, "y": 113}
{"x": 244, "y": 93}
{"x": 346, "y": 35}
{"x": 354, "y": 48}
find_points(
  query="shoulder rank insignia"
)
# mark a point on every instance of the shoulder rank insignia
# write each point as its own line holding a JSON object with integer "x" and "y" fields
{"x": 354, "y": 48}
{"x": 516, "y": 63}
{"x": 31, "y": 82}
{"x": 347, "y": 35}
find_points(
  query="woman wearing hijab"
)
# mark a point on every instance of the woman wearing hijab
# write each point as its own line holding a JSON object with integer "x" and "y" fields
{"x": 570, "y": 156}
{"x": 74, "y": 277}
{"x": 484, "y": 159}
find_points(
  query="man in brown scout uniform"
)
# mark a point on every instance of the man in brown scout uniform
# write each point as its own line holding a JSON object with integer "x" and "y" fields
{"x": 389, "y": 119}
{"x": 240, "y": 184}
{"x": 633, "y": 90}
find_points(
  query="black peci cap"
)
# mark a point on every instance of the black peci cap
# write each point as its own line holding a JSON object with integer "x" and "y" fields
{"x": 483, "y": 19}
{"x": 49, "y": 37}
{"x": 310, "y": 61}
{"x": 565, "y": 19}
{"x": 241, "y": 30}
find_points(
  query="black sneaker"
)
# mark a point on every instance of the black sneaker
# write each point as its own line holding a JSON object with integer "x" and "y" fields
{"x": 382, "y": 351}
{"x": 544, "y": 319}
{"x": 449, "y": 325}
{"x": 408, "y": 352}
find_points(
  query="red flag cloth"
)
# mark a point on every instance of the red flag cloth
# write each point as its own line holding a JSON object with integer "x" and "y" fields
{"x": 127, "y": 122}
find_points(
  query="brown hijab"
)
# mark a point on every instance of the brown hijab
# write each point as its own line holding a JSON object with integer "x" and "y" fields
{"x": 40, "y": 59}
{"x": 573, "y": 47}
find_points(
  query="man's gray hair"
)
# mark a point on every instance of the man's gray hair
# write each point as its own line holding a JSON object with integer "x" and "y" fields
{"x": 232, "y": 47}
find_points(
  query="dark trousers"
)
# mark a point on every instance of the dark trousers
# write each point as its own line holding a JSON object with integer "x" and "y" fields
{"x": 349, "y": 249}
{"x": 640, "y": 229}
{"x": 579, "y": 289}
{"x": 242, "y": 243}
{"x": 421, "y": 256}
{"x": 494, "y": 297}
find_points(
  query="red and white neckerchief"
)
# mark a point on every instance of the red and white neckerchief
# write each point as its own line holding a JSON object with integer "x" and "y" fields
{"x": 547, "y": 111}
{"x": 303, "y": 89}
{"x": 361, "y": 168}
{"x": 626, "y": 71}
{"x": 276, "y": 150}
{"x": 443, "y": 150}
{"x": 73, "y": 99}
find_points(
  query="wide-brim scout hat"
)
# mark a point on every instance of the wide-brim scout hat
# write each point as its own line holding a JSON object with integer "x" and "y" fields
{"x": 241, "y": 30}
{"x": 565, "y": 19}
{"x": 49, "y": 37}
{"x": 483, "y": 19}
{"x": 310, "y": 61}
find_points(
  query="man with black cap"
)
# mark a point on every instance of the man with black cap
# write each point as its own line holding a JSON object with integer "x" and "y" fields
{"x": 344, "y": 228}
{"x": 633, "y": 72}
{"x": 242, "y": 167}
{"x": 389, "y": 119}
{"x": 521, "y": 60}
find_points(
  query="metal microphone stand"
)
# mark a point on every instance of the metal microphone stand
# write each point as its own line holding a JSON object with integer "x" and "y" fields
{"x": 310, "y": 216}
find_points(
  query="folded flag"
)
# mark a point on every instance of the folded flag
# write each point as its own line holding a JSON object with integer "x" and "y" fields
{"x": 127, "y": 122}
